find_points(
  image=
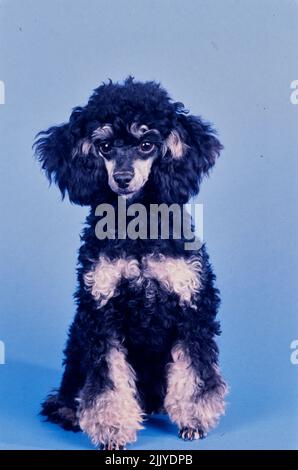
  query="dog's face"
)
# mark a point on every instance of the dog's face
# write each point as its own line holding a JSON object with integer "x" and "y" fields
{"x": 128, "y": 136}
{"x": 127, "y": 155}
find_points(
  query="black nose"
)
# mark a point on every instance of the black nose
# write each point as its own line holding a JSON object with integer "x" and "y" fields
{"x": 123, "y": 178}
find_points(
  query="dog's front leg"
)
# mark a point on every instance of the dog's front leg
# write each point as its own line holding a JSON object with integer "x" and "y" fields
{"x": 195, "y": 397}
{"x": 109, "y": 410}
{"x": 195, "y": 394}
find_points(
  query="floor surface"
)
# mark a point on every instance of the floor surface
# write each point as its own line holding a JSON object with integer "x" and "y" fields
{"x": 23, "y": 386}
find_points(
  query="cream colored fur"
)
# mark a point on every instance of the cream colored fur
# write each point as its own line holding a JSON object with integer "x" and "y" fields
{"x": 176, "y": 275}
{"x": 107, "y": 274}
{"x": 115, "y": 416}
{"x": 185, "y": 404}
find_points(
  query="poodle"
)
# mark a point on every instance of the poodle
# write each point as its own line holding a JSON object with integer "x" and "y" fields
{"x": 143, "y": 337}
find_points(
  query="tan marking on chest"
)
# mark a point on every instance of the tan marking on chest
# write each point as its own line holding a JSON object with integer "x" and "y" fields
{"x": 107, "y": 274}
{"x": 177, "y": 275}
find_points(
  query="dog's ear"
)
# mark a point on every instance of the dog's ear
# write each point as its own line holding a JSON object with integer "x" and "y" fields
{"x": 69, "y": 159}
{"x": 189, "y": 152}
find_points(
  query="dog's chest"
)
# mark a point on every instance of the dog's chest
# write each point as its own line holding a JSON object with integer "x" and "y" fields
{"x": 178, "y": 276}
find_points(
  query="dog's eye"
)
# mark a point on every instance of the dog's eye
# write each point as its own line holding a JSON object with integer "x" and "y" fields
{"x": 105, "y": 148}
{"x": 146, "y": 147}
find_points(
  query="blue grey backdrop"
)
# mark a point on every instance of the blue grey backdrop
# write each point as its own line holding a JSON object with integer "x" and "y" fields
{"x": 230, "y": 61}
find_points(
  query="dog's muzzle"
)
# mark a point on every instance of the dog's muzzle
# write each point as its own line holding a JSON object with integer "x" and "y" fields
{"x": 123, "y": 178}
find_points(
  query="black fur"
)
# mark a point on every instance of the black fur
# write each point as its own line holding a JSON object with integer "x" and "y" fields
{"x": 145, "y": 318}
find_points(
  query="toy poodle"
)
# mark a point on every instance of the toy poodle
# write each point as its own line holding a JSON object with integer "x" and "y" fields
{"x": 143, "y": 337}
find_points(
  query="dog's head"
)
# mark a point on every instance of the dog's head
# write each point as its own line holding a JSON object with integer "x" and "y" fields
{"x": 129, "y": 136}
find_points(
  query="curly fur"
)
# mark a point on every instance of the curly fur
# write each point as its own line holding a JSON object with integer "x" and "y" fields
{"x": 107, "y": 274}
{"x": 186, "y": 401}
{"x": 113, "y": 417}
{"x": 177, "y": 275}
{"x": 143, "y": 337}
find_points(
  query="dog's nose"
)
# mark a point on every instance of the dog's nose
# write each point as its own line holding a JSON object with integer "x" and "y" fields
{"x": 123, "y": 178}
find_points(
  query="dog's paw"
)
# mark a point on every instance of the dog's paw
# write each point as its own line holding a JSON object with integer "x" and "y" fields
{"x": 190, "y": 434}
{"x": 56, "y": 411}
{"x": 111, "y": 446}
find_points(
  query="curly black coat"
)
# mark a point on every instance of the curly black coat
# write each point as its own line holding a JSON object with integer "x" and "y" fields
{"x": 161, "y": 342}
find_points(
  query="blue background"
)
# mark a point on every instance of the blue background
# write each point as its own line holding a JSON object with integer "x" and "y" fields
{"x": 230, "y": 61}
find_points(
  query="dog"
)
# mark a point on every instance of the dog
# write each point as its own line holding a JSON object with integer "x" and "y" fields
{"x": 143, "y": 337}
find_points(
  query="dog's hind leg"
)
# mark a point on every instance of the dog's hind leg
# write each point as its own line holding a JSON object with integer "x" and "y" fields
{"x": 60, "y": 407}
{"x": 57, "y": 411}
